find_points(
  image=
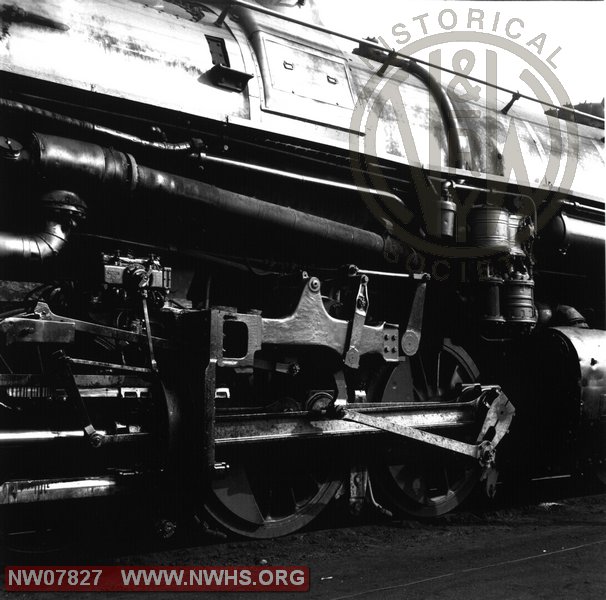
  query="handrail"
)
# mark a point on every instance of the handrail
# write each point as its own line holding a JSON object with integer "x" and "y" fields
{"x": 389, "y": 53}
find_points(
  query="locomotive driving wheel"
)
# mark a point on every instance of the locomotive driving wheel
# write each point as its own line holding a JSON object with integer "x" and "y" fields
{"x": 267, "y": 489}
{"x": 419, "y": 480}
{"x": 270, "y": 491}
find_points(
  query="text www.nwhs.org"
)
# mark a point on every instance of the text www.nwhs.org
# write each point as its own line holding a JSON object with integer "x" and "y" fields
{"x": 159, "y": 579}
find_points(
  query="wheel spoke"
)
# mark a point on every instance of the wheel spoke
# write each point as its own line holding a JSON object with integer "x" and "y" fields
{"x": 424, "y": 387}
{"x": 435, "y": 481}
{"x": 445, "y": 473}
{"x": 438, "y": 381}
{"x": 293, "y": 498}
{"x": 457, "y": 377}
{"x": 272, "y": 494}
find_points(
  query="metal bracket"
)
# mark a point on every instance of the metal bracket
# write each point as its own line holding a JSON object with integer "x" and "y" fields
{"x": 20, "y": 330}
{"x": 221, "y": 18}
{"x": 412, "y": 336}
{"x": 44, "y": 313}
{"x": 495, "y": 426}
{"x": 354, "y": 271}
{"x": 228, "y": 78}
{"x": 111, "y": 366}
{"x": 358, "y": 484}
{"x": 341, "y": 384}
{"x": 66, "y": 376}
{"x": 150, "y": 342}
{"x": 499, "y": 416}
{"x": 490, "y": 475}
{"x": 308, "y": 325}
{"x": 514, "y": 97}
{"x": 96, "y": 438}
{"x": 356, "y": 330}
{"x": 393, "y": 54}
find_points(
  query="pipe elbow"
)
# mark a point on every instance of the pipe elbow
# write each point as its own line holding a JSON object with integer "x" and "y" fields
{"x": 568, "y": 315}
{"x": 455, "y": 152}
{"x": 51, "y": 241}
{"x": 65, "y": 211}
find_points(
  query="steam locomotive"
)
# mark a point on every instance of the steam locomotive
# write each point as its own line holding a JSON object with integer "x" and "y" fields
{"x": 239, "y": 281}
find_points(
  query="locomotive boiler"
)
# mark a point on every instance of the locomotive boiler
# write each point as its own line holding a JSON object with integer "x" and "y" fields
{"x": 217, "y": 293}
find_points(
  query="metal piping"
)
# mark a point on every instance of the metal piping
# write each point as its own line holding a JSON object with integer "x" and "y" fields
{"x": 57, "y": 158}
{"x": 166, "y": 185}
{"x": 569, "y": 316}
{"x": 410, "y": 65}
{"x": 37, "y": 436}
{"x": 348, "y": 187}
{"x": 37, "y": 247}
{"x": 65, "y": 209}
{"x": 561, "y": 315}
{"x": 93, "y": 127}
{"x": 455, "y": 154}
{"x": 85, "y": 159}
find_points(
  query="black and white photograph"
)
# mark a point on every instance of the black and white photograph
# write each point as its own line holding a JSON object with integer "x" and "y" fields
{"x": 302, "y": 299}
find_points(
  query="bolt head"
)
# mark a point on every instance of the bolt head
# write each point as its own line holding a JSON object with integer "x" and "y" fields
{"x": 96, "y": 440}
{"x": 165, "y": 528}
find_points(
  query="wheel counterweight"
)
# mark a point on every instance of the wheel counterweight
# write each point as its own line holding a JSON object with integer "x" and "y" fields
{"x": 270, "y": 491}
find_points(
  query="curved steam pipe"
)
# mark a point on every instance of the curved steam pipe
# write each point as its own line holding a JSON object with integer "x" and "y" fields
{"x": 569, "y": 315}
{"x": 455, "y": 154}
{"x": 37, "y": 247}
{"x": 65, "y": 209}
